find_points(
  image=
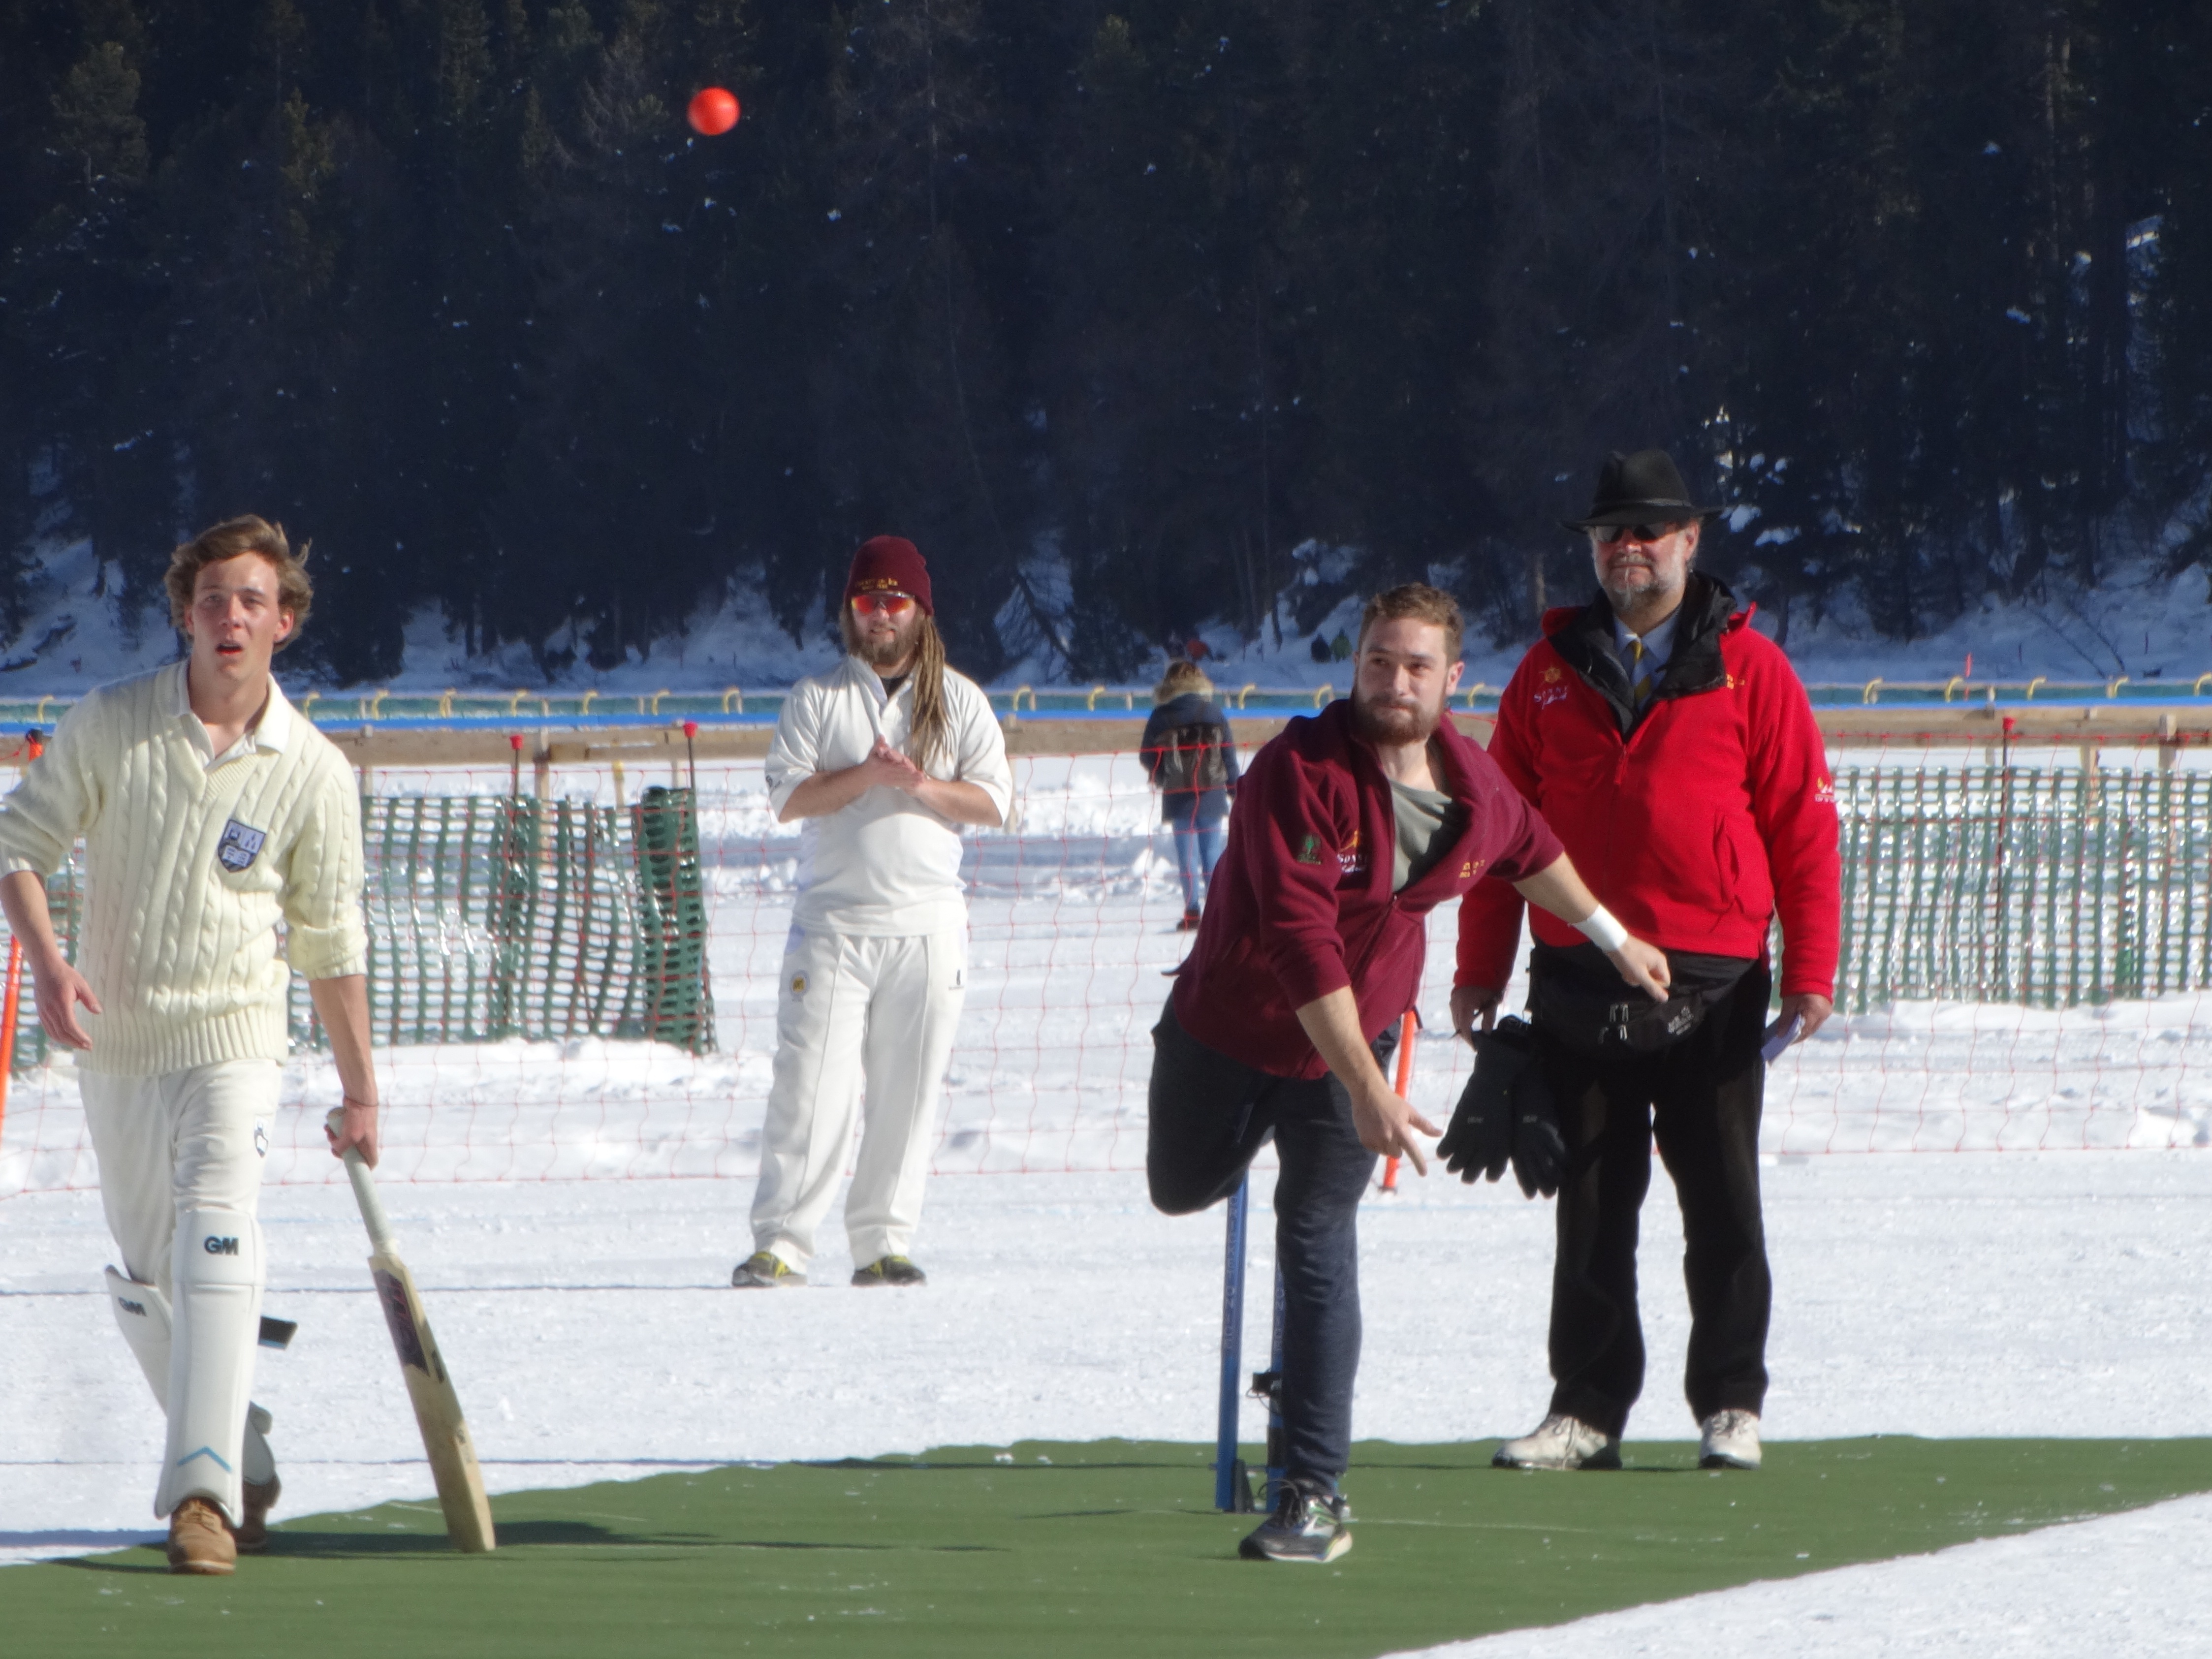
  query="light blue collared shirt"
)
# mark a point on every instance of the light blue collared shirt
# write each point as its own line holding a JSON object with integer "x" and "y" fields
{"x": 1658, "y": 644}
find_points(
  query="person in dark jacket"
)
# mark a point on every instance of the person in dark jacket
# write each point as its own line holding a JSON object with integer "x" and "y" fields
{"x": 1675, "y": 753}
{"x": 1350, "y": 827}
{"x": 1192, "y": 761}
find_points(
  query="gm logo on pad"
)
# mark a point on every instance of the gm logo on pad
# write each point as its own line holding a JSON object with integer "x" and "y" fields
{"x": 215, "y": 1246}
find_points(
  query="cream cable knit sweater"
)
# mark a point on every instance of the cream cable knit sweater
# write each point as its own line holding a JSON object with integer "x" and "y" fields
{"x": 189, "y": 869}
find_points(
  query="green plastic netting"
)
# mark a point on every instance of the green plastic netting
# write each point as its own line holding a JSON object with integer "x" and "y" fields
{"x": 492, "y": 918}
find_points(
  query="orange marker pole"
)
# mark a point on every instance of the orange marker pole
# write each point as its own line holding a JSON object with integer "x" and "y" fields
{"x": 1406, "y": 1029}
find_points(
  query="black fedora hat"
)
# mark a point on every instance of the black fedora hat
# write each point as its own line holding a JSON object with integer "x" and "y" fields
{"x": 1640, "y": 489}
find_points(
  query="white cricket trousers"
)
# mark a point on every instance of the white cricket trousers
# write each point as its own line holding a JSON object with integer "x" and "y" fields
{"x": 850, "y": 1009}
{"x": 181, "y": 1162}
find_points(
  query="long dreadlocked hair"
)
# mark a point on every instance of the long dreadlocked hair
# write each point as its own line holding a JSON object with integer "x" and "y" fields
{"x": 929, "y": 738}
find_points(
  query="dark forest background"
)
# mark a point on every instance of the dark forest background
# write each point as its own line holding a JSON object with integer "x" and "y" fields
{"x": 1110, "y": 305}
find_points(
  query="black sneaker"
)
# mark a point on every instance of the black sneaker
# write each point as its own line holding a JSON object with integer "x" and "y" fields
{"x": 1190, "y": 922}
{"x": 764, "y": 1270}
{"x": 1309, "y": 1524}
{"x": 890, "y": 1270}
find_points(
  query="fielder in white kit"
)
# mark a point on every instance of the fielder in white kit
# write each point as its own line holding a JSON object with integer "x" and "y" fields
{"x": 883, "y": 759}
{"x": 209, "y": 812}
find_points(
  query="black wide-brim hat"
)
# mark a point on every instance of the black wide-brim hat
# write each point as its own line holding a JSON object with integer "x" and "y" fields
{"x": 1645, "y": 487}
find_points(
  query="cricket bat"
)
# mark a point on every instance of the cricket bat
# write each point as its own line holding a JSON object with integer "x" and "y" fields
{"x": 430, "y": 1387}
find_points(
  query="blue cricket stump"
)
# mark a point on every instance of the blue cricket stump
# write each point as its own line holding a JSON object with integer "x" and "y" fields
{"x": 1231, "y": 1492}
{"x": 1232, "y": 1489}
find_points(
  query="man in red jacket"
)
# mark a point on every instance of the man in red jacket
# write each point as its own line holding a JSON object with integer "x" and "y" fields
{"x": 1674, "y": 752}
{"x": 1349, "y": 827}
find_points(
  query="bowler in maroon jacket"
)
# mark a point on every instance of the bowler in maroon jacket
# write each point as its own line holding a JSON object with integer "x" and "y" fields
{"x": 1348, "y": 829}
{"x": 1674, "y": 752}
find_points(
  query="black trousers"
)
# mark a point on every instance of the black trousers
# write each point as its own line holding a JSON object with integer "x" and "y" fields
{"x": 1700, "y": 1100}
{"x": 1209, "y": 1117}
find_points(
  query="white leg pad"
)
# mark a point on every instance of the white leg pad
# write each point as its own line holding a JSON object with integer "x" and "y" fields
{"x": 256, "y": 1462}
{"x": 142, "y": 1313}
{"x": 215, "y": 1321}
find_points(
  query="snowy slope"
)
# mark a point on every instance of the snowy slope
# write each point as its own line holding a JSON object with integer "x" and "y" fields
{"x": 2139, "y": 623}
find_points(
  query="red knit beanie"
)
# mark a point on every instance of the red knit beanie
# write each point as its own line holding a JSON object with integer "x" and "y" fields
{"x": 889, "y": 564}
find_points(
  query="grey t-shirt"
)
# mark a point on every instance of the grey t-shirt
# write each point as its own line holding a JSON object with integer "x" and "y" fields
{"x": 1428, "y": 824}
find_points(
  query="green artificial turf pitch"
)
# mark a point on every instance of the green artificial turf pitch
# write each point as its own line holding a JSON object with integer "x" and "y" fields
{"x": 1111, "y": 1547}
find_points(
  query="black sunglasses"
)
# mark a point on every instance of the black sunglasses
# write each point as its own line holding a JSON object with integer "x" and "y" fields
{"x": 1607, "y": 534}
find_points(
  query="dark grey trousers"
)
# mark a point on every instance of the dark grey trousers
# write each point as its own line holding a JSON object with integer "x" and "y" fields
{"x": 1209, "y": 1117}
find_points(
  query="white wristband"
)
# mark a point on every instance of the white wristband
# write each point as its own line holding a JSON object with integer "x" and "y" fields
{"x": 1603, "y": 930}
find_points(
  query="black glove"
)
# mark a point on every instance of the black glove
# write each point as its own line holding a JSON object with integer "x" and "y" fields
{"x": 1540, "y": 1150}
{"x": 1479, "y": 1138}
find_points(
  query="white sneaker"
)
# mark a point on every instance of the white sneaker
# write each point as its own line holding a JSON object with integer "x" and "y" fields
{"x": 1560, "y": 1441}
{"x": 1729, "y": 1440}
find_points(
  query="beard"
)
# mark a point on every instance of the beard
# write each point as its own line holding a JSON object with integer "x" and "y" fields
{"x": 1631, "y": 584}
{"x": 1394, "y": 724}
{"x": 884, "y": 653}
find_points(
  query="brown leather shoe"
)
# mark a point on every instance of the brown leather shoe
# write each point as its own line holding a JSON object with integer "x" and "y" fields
{"x": 259, "y": 1500}
{"x": 200, "y": 1539}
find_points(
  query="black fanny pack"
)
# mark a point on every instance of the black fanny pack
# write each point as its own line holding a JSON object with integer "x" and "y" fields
{"x": 1576, "y": 997}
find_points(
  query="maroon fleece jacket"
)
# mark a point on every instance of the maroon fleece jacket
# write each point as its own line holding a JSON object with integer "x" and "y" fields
{"x": 1300, "y": 904}
{"x": 1697, "y": 826}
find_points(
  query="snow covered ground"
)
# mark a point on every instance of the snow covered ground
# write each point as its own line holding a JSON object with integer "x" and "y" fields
{"x": 2118, "y": 1586}
{"x": 593, "y": 1337}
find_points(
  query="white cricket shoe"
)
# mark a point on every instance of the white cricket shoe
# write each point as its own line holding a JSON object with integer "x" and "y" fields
{"x": 1729, "y": 1440}
{"x": 1560, "y": 1441}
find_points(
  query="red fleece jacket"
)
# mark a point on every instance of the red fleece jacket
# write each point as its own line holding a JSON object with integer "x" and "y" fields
{"x": 1300, "y": 904}
{"x": 1713, "y": 814}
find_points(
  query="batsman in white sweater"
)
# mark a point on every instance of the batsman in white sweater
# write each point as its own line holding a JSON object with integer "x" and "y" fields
{"x": 883, "y": 760}
{"x": 209, "y": 812}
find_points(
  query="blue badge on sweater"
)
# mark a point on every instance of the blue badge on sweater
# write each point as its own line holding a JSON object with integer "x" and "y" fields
{"x": 240, "y": 846}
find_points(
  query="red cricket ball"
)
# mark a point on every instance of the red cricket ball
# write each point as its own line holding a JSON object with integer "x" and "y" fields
{"x": 714, "y": 111}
